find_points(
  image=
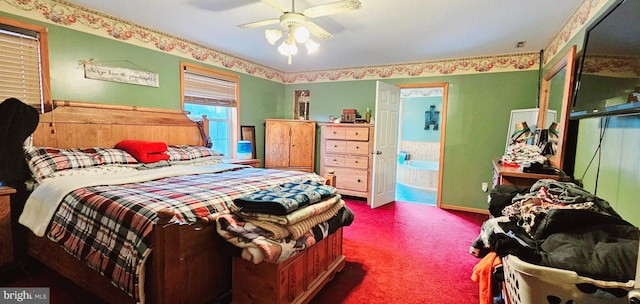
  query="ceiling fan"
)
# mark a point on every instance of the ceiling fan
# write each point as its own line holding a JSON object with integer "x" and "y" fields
{"x": 297, "y": 26}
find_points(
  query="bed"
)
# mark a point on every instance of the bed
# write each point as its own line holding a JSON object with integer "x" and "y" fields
{"x": 188, "y": 263}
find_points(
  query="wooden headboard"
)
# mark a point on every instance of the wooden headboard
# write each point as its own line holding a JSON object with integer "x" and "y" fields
{"x": 83, "y": 125}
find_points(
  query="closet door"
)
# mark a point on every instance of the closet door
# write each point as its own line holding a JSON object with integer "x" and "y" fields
{"x": 278, "y": 142}
{"x": 290, "y": 144}
{"x": 302, "y": 145}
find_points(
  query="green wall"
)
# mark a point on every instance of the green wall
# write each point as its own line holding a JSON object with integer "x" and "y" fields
{"x": 617, "y": 166}
{"x": 68, "y": 48}
{"x": 478, "y": 110}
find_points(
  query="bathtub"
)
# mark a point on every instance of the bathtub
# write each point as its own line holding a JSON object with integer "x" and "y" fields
{"x": 422, "y": 174}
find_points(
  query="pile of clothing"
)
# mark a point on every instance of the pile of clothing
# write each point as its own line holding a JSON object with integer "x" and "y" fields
{"x": 275, "y": 224}
{"x": 558, "y": 225}
{"x": 561, "y": 225}
{"x": 523, "y": 154}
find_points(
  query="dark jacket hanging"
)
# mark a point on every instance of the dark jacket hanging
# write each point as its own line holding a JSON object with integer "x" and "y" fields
{"x": 17, "y": 122}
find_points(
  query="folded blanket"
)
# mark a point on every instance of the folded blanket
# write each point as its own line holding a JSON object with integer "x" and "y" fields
{"x": 293, "y": 217}
{"x": 298, "y": 229}
{"x": 145, "y": 151}
{"x": 258, "y": 246}
{"x": 285, "y": 198}
{"x": 277, "y": 232}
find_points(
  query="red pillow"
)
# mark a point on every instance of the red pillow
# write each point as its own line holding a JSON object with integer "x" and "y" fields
{"x": 145, "y": 151}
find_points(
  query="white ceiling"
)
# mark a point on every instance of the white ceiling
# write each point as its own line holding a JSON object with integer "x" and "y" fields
{"x": 381, "y": 32}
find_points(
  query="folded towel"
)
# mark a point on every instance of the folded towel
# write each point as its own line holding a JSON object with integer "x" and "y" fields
{"x": 145, "y": 151}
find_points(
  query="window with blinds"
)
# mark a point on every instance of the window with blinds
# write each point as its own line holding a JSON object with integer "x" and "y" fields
{"x": 214, "y": 94}
{"x": 23, "y": 63}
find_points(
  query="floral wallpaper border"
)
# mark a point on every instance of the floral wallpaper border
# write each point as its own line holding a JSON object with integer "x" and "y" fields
{"x": 82, "y": 19}
{"x": 613, "y": 66}
{"x": 421, "y": 92}
{"x": 585, "y": 12}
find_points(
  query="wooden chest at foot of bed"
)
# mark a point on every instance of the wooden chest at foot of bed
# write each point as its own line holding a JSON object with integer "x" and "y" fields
{"x": 296, "y": 280}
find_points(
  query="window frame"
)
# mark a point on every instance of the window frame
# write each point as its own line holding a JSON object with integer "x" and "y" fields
{"x": 221, "y": 75}
{"x": 45, "y": 80}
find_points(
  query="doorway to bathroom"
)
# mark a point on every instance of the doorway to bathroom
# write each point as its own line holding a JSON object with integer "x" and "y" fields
{"x": 420, "y": 142}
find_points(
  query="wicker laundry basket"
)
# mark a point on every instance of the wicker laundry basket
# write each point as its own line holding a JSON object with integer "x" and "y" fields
{"x": 533, "y": 284}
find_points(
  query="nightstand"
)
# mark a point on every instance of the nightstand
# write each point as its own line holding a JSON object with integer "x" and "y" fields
{"x": 251, "y": 162}
{"x": 6, "y": 238}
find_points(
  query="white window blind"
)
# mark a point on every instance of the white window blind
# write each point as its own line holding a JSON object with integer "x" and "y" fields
{"x": 20, "y": 67}
{"x": 200, "y": 88}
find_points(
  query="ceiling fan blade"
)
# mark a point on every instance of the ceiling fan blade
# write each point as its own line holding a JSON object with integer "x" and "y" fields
{"x": 274, "y": 5}
{"x": 317, "y": 31}
{"x": 259, "y": 23}
{"x": 220, "y": 5}
{"x": 331, "y": 8}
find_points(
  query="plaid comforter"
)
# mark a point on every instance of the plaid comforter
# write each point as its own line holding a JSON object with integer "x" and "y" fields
{"x": 109, "y": 227}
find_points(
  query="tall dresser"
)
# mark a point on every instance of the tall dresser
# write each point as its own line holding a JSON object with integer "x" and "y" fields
{"x": 346, "y": 148}
{"x": 290, "y": 144}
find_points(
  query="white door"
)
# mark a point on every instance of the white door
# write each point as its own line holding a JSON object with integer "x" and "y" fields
{"x": 385, "y": 144}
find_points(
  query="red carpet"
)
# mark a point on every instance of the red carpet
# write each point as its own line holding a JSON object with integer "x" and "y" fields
{"x": 406, "y": 253}
{"x": 399, "y": 253}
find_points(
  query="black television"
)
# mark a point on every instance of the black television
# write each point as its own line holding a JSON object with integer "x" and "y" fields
{"x": 608, "y": 75}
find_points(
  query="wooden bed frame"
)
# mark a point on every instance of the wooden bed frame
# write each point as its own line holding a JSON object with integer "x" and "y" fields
{"x": 189, "y": 263}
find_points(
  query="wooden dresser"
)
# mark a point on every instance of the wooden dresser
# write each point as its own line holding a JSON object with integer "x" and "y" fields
{"x": 290, "y": 144}
{"x": 346, "y": 148}
{"x": 504, "y": 175}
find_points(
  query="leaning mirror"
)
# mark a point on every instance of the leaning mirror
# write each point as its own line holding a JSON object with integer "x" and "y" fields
{"x": 555, "y": 94}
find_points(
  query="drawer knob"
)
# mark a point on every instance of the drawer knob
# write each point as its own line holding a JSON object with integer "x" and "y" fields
{"x": 335, "y": 160}
{"x": 356, "y": 161}
{"x": 335, "y": 146}
{"x": 359, "y": 180}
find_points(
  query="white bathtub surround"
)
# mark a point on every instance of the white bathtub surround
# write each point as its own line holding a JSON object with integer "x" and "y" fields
{"x": 420, "y": 174}
{"x": 421, "y": 150}
{"x": 421, "y": 169}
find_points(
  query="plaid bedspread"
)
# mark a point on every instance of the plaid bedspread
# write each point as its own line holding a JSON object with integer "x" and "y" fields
{"x": 109, "y": 227}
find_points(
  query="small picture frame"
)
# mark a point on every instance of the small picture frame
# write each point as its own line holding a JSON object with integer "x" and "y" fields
{"x": 249, "y": 133}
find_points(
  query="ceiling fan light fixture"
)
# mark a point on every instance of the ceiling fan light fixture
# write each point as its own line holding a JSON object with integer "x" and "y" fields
{"x": 272, "y": 36}
{"x": 301, "y": 33}
{"x": 297, "y": 26}
{"x": 287, "y": 48}
{"x": 311, "y": 46}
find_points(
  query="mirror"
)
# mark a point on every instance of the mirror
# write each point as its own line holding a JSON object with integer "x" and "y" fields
{"x": 249, "y": 133}
{"x": 556, "y": 89}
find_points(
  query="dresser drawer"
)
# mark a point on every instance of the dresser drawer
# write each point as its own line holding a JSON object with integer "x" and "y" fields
{"x": 334, "y": 160}
{"x": 357, "y": 134}
{"x": 335, "y": 146}
{"x": 335, "y": 133}
{"x": 351, "y": 179}
{"x": 357, "y": 147}
{"x": 359, "y": 162}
